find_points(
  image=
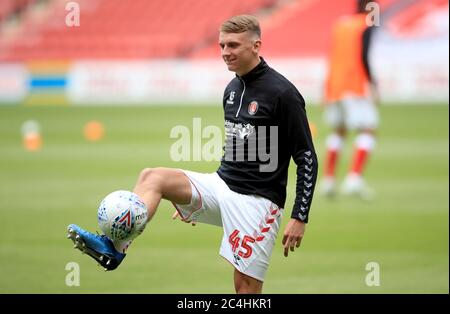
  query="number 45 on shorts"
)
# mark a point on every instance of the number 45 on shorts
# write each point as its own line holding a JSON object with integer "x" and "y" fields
{"x": 235, "y": 242}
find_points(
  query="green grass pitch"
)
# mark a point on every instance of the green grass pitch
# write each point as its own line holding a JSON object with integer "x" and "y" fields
{"x": 404, "y": 229}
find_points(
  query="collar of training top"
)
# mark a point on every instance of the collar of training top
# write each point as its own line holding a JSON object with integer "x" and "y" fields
{"x": 257, "y": 71}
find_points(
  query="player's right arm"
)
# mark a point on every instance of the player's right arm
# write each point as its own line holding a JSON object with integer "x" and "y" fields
{"x": 366, "y": 46}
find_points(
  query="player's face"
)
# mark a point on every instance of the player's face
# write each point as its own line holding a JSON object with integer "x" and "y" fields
{"x": 240, "y": 51}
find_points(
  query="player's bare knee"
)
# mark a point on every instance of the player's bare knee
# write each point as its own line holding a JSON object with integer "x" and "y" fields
{"x": 247, "y": 288}
{"x": 341, "y": 131}
{"x": 145, "y": 175}
{"x": 246, "y": 285}
{"x": 149, "y": 178}
{"x": 240, "y": 286}
{"x": 368, "y": 131}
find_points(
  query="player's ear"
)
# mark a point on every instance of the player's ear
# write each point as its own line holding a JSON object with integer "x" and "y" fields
{"x": 257, "y": 45}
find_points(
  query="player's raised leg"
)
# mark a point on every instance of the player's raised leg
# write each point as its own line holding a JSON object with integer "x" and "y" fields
{"x": 156, "y": 183}
{"x": 152, "y": 185}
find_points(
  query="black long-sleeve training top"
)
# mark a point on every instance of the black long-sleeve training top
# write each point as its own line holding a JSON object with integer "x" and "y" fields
{"x": 266, "y": 125}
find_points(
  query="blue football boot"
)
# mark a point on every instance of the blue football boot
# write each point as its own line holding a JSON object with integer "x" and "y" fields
{"x": 99, "y": 247}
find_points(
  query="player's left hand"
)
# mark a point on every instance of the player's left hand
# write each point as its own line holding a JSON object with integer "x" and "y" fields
{"x": 293, "y": 234}
{"x": 176, "y": 214}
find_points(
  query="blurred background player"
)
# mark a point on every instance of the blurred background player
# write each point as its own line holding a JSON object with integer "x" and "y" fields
{"x": 350, "y": 96}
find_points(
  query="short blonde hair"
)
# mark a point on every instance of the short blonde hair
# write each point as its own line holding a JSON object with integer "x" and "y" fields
{"x": 240, "y": 24}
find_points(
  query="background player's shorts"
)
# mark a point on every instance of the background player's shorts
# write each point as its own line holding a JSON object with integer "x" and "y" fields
{"x": 250, "y": 222}
{"x": 352, "y": 113}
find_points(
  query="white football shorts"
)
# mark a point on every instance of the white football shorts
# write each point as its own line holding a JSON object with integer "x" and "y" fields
{"x": 250, "y": 222}
{"x": 353, "y": 113}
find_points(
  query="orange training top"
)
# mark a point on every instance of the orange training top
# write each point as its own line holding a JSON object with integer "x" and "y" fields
{"x": 346, "y": 72}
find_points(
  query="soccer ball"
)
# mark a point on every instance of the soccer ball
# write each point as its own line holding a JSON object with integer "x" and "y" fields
{"x": 122, "y": 215}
